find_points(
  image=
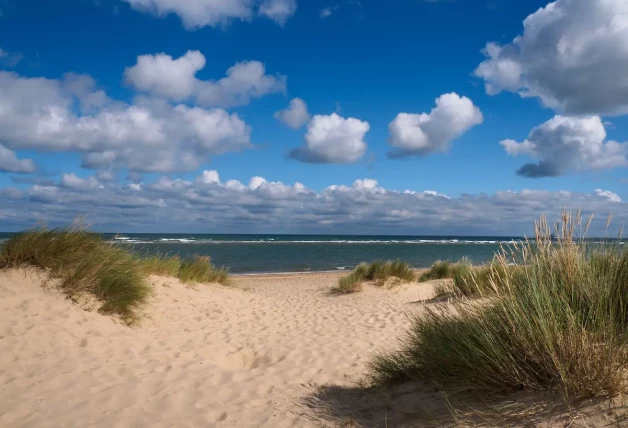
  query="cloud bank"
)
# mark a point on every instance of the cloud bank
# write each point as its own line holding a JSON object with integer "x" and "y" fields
{"x": 208, "y": 204}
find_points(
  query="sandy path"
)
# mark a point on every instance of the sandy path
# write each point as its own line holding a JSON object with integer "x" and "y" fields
{"x": 207, "y": 356}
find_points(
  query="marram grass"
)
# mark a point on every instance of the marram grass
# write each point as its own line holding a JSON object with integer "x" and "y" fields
{"x": 469, "y": 280}
{"x": 555, "y": 320}
{"x": 85, "y": 263}
{"x": 443, "y": 269}
{"x": 199, "y": 269}
{"x": 376, "y": 271}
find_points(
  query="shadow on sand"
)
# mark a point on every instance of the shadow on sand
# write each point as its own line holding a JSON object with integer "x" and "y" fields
{"x": 415, "y": 405}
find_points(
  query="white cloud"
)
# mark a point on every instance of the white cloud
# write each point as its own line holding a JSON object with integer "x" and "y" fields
{"x": 208, "y": 177}
{"x": 72, "y": 181}
{"x": 326, "y": 12}
{"x": 568, "y": 144}
{"x": 613, "y": 197}
{"x": 266, "y": 206}
{"x": 278, "y": 10}
{"x": 423, "y": 134}
{"x": 245, "y": 80}
{"x": 202, "y": 13}
{"x": 147, "y": 136}
{"x": 161, "y": 75}
{"x": 295, "y": 115}
{"x": 256, "y": 182}
{"x": 166, "y": 77}
{"x": 573, "y": 55}
{"x": 333, "y": 139}
{"x": 9, "y": 162}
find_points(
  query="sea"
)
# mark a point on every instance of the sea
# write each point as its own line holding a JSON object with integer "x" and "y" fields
{"x": 249, "y": 254}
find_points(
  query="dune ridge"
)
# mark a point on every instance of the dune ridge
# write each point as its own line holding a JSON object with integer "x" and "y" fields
{"x": 202, "y": 356}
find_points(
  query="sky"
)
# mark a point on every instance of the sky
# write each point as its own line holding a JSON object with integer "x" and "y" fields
{"x": 457, "y": 117}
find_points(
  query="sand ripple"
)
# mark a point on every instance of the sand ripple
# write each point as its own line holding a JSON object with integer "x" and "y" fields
{"x": 206, "y": 356}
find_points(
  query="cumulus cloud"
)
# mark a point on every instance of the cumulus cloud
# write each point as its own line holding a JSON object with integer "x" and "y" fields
{"x": 9, "y": 162}
{"x": 245, "y": 80}
{"x": 423, "y": 134}
{"x": 196, "y": 14}
{"x": 573, "y": 55}
{"x": 166, "y": 77}
{"x": 161, "y": 75}
{"x": 146, "y": 136}
{"x": 267, "y": 206}
{"x": 295, "y": 115}
{"x": 278, "y": 10}
{"x": 72, "y": 181}
{"x": 208, "y": 177}
{"x": 333, "y": 139}
{"x": 568, "y": 144}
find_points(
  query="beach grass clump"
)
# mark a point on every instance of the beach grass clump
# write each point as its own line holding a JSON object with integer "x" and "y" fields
{"x": 200, "y": 269}
{"x": 353, "y": 282}
{"x": 444, "y": 269}
{"x": 376, "y": 271}
{"x": 486, "y": 279}
{"x": 83, "y": 263}
{"x": 161, "y": 265}
{"x": 559, "y": 322}
{"x": 382, "y": 271}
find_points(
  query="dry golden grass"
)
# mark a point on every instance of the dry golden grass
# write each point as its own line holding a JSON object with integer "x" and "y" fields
{"x": 444, "y": 269}
{"x": 376, "y": 271}
{"x": 557, "y": 319}
{"x": 85, "y": 263}
{"x": 199, "y": 269}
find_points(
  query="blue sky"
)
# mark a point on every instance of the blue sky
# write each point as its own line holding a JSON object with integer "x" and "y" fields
{"x": 363, "y": 60}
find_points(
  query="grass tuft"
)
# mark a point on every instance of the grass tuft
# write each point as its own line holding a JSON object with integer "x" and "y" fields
{"x": 200, "y": 270}
{"x": 162, "y": 265}
{"x": 84, "y": 263}
{"x": 376, "y": 271}
{"x": 444, "y": 270}
{"x": 557, "y": 320}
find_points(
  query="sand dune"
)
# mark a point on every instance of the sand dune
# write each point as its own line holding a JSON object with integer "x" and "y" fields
{"x": 204, "y": 356}
{"x": 271, "y": 351}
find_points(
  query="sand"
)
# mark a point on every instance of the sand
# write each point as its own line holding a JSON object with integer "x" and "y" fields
{"x": 270, "y": 351}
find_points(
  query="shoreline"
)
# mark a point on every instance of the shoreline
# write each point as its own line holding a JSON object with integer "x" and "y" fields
{"x": 292, "y": 273}
{"x": 305, "y": 273}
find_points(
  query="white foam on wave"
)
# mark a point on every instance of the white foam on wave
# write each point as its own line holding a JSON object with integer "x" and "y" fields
{"x": 314, "y": 241}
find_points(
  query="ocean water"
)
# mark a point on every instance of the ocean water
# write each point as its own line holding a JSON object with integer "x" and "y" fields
{"x": 244, "y": 254}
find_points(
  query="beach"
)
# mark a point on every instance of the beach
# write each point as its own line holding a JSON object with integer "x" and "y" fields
{"x": 267, "y": 351}
{"x": 247, "y": 355}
